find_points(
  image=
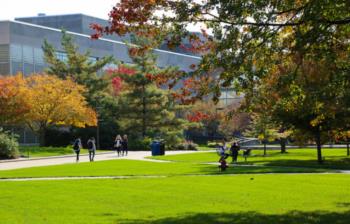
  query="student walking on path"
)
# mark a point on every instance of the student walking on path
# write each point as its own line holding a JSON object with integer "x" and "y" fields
{"x": 118, "y": 144}
{"x": 92, "y": 148}
{"x": 234, "y": 151}
{"x": 125, "y": 145}
{"x": 76, "y": 147}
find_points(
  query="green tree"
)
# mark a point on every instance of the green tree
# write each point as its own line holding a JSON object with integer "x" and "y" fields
{"x": 309, "y": 95}
{"x": 87, "y": 71}
{"x": 81, "y": 67}
{"x": 262, "y": 128}
{"x": 144, "y": 108}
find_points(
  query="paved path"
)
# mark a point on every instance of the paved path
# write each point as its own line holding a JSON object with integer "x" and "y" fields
{"x": 133, "y": 155}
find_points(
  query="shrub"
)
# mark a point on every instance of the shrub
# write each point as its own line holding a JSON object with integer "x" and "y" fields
{"x": 140, "y": 144}
{"x": 8, "y": 146}
{"x": 213, "y": 144}
{"x": 171, "y": 138}
{"x": 186, "y": 146}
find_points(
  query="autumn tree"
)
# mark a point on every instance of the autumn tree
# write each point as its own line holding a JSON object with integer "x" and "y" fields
{"x": 13, "y": 105}
{"x": 54, "y": 101}
{"x": 250, "y": 41}
{"x": 343, "y": 136}
{"x": 88, "y": 71}
{"x": 309, "y": 95}
{"x": 244, "y": 33}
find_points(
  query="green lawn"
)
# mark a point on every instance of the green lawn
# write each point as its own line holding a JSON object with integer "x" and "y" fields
{"x": 241, "y": 199}
{"x": 188, "y": 191}
{"x": 36, "y": 151}
{"x": 137, "y": 168}
{"x": 334, "y": 158}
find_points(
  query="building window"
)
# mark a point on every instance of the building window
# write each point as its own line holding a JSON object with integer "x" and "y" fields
{"x": 61, "y": 56}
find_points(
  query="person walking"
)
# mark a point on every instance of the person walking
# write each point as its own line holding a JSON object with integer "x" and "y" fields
{"x": 222, "y": 151}
{"x": 91, "y": 144}
{"x": 118, "y": 144}
{"x": 234, "y": 151}
{"x": 76, "y": 147}
{"x": 125, "y": 145}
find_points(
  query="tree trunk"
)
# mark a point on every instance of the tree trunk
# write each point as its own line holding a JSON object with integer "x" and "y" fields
{"x": 143, "y": 111}
{"x": 42, "y": 133}
{"x": 264, "y": 148}
{"x": 347, "y": 148}
{"x": 319, "y": 147}
{"x": 283, "y": 145}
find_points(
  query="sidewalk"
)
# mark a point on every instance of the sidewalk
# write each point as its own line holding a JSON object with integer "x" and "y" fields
{"x": 48, "y": 161}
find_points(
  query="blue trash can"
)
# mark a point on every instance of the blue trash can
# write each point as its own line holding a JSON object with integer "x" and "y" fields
{"x": 155, "y": 147}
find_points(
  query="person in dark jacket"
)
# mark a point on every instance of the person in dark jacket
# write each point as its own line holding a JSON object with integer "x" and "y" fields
{"x": 125, "y": 145}
{"x": 234, "y": 151}
{"x": 76, "y": 147}
{"x": 92, "y": 148}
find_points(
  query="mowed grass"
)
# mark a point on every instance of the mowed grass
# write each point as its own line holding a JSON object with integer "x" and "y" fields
{"x": 36, "y": 151}
{"x": 140, "y": 168}
{"x": 334, "y": 158}
{"x": 240, "y": 199}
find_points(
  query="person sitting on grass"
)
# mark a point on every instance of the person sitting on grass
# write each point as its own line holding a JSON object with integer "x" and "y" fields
{"x": 223, "y": 164}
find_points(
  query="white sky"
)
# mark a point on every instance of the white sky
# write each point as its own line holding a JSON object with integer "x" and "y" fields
{"x": 10, "y": 9}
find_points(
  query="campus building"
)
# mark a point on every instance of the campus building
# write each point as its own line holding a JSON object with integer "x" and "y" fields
{"x": 21, "y": 41}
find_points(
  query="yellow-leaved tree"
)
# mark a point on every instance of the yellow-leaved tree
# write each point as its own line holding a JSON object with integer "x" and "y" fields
{"x": 54, "y": 101}
{"x": 13, "y": 106}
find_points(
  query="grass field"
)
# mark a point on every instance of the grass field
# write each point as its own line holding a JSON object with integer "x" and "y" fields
{"x": 187, "y": 191}
{"x": 36, "y": 151}
{"x": 242, "y": 199}
{"x": 137, "y": 168}
{"x": 334, "y": 158}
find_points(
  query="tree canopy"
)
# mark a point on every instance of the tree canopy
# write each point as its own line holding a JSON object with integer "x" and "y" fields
{"x": 49, "y": 101}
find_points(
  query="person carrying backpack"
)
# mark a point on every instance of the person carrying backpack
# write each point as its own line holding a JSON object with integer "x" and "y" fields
{"x": 76, "y": 147}
{"x": 125, "y": 145}
{"x": 92, "y": 148}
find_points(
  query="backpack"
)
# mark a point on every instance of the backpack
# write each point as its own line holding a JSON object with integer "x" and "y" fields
{"x": 76, "y": 145}
{"x": 89, "y": 144}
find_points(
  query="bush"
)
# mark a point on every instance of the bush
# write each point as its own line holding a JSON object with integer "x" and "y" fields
{"x": 187, "y": 146}
{"x": 213, "y": 144}
{"x": 140, "y": 144}
{"x": 172, "y": 139}
{"x": 8, "y": 146}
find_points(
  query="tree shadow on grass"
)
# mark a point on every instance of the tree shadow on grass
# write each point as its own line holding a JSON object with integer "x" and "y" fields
{"x": 214, "y": 170}
{"x": 293, "y": 217}
{"x": 327, "y": 164}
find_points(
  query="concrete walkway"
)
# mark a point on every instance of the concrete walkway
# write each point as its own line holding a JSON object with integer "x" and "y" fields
{"x": 133, "y": 155}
